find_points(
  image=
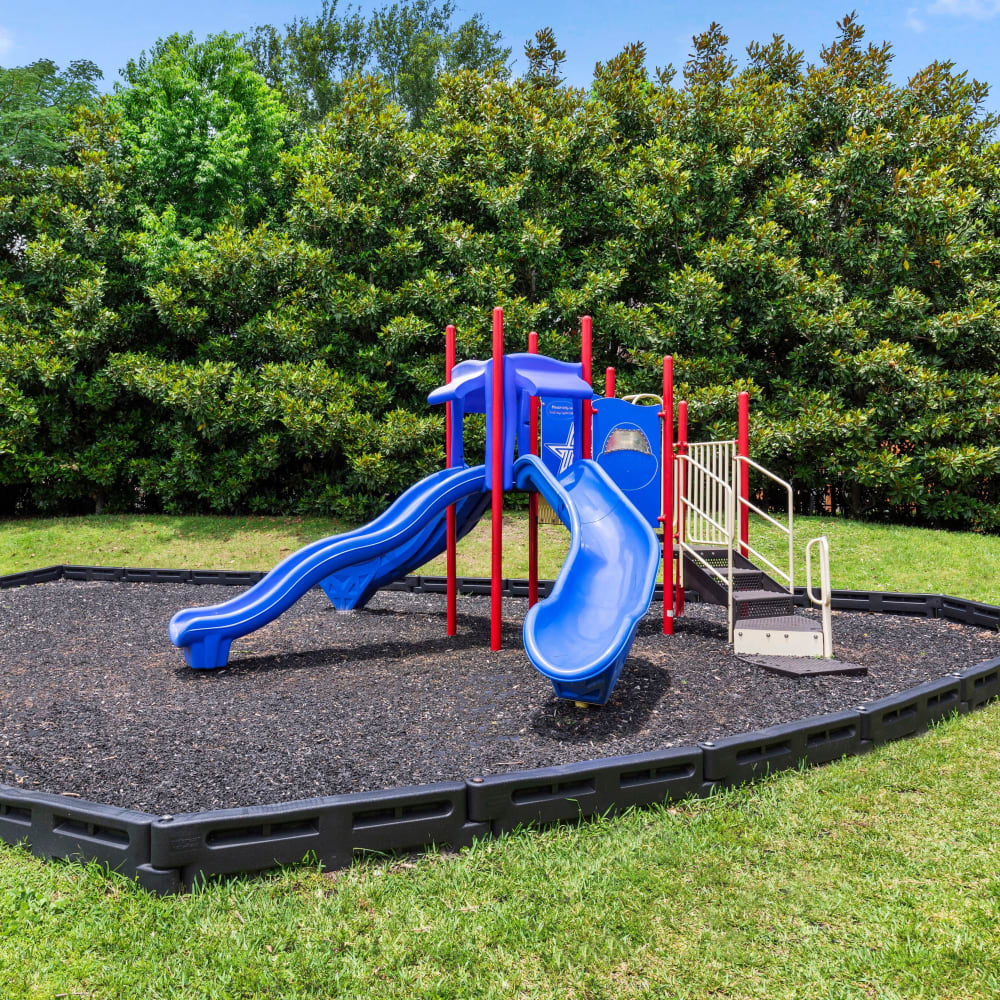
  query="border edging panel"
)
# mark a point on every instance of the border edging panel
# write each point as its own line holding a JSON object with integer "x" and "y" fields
{"x": 736, "y": 760}
{"x": 168, "y": 853}
{"x": 56, "y": 826}
{"x": 912, "y": 711}
{"x": 331, "y": 828}
{"x": 585, "y": 788}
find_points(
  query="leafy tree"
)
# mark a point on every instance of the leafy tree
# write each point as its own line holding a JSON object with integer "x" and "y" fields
{"x": 409, "y": 44}
{"x": 545, "y": 59}
{"x": 202, "y": 129}
{"x": 308, "y": 61}
{"x": 816, "y": 233}
{"x": 36, "y": 103}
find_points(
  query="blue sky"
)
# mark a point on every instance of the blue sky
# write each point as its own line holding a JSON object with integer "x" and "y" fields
{"x": 109, "y": 31}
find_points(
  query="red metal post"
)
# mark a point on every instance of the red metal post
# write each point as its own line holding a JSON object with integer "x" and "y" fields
{"x": 449, "y": 364}
{"x": 682, "y": 444}
{"x": 667, "y": 520}
{"x": 743, "y": 448}
{"x": 533, "y": 497}
{"x": 609, "y": 383}
{"x": 496, "y": 472}
{"x": 586, "y": 351}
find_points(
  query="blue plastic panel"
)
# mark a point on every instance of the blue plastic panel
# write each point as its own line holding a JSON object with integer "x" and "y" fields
{"x": 560, "y": 443}
{"x": 627, "y": 446}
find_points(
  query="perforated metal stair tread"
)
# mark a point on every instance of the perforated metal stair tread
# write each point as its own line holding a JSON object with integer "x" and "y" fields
{"x": 741, "y": 573}
{"x": 803, "y": 666}
{"x": 779, "y": 623}
{"x": 742, "y": 596}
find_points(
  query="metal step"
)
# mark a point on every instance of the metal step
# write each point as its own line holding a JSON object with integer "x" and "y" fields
{"x": 779, "y": 635}
{"x": 745, "y": 578}
{"x": 759, "y": 604}
{"x": 803, "y": 666}
{"x": 720, "y": 557}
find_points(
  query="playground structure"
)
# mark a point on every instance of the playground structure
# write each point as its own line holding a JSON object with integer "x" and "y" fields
{"x": 642, "y": 482}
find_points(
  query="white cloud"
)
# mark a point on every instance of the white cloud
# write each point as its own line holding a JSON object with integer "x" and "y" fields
{"x": 979, "y": 10}
{"x": 913, "y": 21}
{"x": 6, "y": 41}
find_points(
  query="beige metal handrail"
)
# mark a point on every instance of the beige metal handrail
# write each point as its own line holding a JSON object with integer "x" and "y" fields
{"x": 707, "y": 491}
{"x": 707, "y": 481}
{"x": 824, "y": 599}
{"x": 720, "y": 488}
{"x": 789, "y": 529}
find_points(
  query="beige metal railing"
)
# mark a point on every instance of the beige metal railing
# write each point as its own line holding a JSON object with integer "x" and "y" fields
{"x": 824, "y": 600}
{"x": 742, "y": 465}
{"x": 709, "y": 488}
{"x": 709, "y": 491}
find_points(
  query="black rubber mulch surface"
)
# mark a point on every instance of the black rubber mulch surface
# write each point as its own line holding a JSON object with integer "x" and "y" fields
{"x": 94, "y": 700}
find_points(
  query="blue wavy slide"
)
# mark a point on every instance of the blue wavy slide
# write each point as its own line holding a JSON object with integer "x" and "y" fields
{"x": 581, "y": 634}
{"x": 349, "y": 567}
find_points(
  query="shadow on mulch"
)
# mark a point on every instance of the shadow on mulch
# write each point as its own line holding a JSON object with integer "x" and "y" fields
{"x": 636, "y": 694}
{"x": 652, "y": 626}
{"x": 472, "y": 637}
{"x": 326, "y": 658}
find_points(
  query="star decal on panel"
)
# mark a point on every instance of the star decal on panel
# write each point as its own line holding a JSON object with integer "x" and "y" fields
{"x": 564, "y": 451}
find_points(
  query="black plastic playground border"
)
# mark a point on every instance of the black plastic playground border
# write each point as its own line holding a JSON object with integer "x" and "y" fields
{"x": 171, "y": 853}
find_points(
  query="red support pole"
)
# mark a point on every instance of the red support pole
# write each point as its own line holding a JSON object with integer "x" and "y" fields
{"x": 743, "y": 448}
{"x": 667, "y": 520}
{"x": 533, "y": 497}
{"x": 609, "y": 383}
{"x": 682, "y": 444}
{"x": 496, "y": 472}
{"x": 586, "y": 352}
{"x": 451, "y": 529}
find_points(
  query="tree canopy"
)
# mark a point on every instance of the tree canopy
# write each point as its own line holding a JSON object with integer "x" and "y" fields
{"x": 410, "y": 45}
{"x": 36, "y": 104}
{"x": 202, "y": 130}
{"x": 203, "y": 310}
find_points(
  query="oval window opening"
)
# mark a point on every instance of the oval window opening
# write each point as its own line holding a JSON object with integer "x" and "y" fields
{"x": 627, "y": 439}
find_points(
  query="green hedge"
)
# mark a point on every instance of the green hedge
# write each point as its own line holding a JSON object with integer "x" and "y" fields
{"x": 231, "y": 314}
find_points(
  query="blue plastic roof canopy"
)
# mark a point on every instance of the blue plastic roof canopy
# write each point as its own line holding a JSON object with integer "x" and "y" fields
{"x": 524, "y": 375}
{"x": 467, "y": 394}
{"x": 628, "y": 446}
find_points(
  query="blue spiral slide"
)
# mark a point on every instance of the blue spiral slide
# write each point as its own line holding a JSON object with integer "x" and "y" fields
{"x": 580, "y": 636}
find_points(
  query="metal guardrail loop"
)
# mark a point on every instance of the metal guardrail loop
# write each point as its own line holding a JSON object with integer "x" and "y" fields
{"x": 635, "y": 397}
{"x": 824, "y": 600}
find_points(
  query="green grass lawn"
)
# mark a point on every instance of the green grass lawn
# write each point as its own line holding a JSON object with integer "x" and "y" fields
{"x": 878, "y": 877}
{"x": 875, "y": 877}
{"x": 863, "y": 556}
